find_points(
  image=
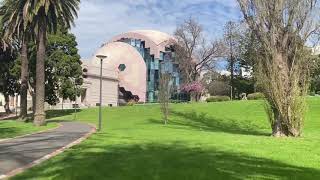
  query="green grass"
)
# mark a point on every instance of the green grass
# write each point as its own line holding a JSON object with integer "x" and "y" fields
{"x": 12, "y": 128}
{"x": 227, "y": 140}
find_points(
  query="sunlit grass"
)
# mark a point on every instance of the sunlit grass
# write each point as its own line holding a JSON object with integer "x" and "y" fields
{"x": 12, "y": 128}
{"x": 227, "y": 140}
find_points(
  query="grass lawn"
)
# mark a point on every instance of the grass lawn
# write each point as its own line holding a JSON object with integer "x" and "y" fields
{"x": 227, "y": 140}
{"x": 12, "y": 128}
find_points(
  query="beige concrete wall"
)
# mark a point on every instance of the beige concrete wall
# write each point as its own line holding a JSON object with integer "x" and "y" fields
{"x": 92, "y": 84}
{"x": 2, "y": 99}
{"x": 109, "y": 92}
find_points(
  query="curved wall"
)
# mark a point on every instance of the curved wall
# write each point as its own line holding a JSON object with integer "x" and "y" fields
{"x": 134, "y": 76}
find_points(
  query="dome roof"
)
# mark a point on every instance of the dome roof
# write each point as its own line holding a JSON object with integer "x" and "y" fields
{"x": 156, "y": 36}
{"x": 155, "y": 40}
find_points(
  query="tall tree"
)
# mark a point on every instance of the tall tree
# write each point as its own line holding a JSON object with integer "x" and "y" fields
{"x": 9, "y": 80}
{"x": 63, "y": 72}
{"x": 232, "y": 42}
{"x": 44, "y": 16}
{"x": 13, "y": 27}
{"x": 315, "y": 75}
{"x": 165, "y": 95}
{"x": 282, "y": 28}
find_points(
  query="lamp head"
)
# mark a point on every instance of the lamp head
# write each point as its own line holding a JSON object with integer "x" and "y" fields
{"x": 100, "y": 56}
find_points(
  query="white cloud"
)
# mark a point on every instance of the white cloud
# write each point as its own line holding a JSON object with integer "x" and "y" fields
{"x": 99, "y": 20}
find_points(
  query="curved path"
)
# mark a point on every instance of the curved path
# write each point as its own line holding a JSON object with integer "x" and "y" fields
{"x": 23, "y": 152}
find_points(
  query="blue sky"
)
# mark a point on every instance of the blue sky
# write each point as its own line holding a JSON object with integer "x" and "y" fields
{"x": 99, "y": 20}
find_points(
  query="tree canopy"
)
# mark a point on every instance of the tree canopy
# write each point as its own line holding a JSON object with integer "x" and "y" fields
{"x": 63, "y": 70}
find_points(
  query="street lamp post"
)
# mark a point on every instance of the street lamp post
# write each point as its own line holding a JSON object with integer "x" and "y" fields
{"x": 101, "y": 57}
{"x": 75, "y": 101}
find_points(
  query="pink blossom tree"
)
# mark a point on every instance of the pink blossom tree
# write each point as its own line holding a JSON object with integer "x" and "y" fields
{"x": 195, "y": 89}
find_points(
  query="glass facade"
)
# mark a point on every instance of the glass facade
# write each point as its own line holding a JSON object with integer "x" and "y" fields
{"x": 156, "y": 66}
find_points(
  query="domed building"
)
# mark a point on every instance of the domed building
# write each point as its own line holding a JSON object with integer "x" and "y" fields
{"x": 131, "y": 70}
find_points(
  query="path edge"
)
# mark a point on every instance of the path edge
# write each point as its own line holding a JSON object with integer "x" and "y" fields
{"x": 51, "y": 155}
{"x": 34, "y": 133}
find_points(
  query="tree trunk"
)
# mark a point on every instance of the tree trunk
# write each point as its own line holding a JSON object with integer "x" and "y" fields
{"x": 6, "y": 105}
{"x": 39, "y": 117}
{"x": 232, "y": 77}
{"x": 193, "y": 97}
{"x": 277, "y": 129}
{"x": 33, "y": 104}
{"x": 24, "y": 80}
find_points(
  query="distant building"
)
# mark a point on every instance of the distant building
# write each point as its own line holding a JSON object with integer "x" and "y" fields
{"x": 132, "y": 69}
{"x": 131, "y": 72}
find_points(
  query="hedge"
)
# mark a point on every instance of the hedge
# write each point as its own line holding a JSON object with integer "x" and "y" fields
{"x": 256, "y": 96}
{"x": 218, "y": 98}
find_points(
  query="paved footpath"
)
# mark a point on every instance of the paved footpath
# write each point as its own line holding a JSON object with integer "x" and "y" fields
{"x": 21, "y": 152}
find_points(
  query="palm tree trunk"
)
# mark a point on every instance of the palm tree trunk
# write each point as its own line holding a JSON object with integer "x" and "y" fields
{"x": 39, "y": 117}
{"x": 24, "y": 80}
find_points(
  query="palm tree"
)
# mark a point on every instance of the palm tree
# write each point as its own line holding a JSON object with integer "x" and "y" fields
{"x": 12, "y": 23}
{"x": 43, "y": 16}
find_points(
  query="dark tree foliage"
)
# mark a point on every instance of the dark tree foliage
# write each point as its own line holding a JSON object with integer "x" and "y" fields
{"x": 315, "y": 76}
{"x": 63, "y": 72}
{"x": 243, "y": 85}
{"x": 219, "y": 85}
{"x": 9, "y": 75}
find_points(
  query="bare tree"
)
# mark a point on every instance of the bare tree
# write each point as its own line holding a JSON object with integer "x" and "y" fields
{"x": 193, "y": 53}
{"x": 164, "y": 95}
{"x": 283, "y": 28}
{"x": 232, "y": 36}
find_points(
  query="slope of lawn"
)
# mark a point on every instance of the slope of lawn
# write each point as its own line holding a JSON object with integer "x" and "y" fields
{"x": 12, "y": 128}
{"x": 227, "y": 140}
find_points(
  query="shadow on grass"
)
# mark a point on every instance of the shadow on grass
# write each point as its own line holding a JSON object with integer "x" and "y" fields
{"x": 59, "y": 113}
{"x": 159, "y": 161}
{"x": 49, "y": 114}
{"x": 203, "y": 122}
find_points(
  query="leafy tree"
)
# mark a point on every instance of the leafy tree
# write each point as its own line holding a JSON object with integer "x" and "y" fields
{"x": 9, "y": 75}
{"x": 63, "y": 72}
{"x": 232, "y": 42}
{"x": 216, "y": 84}
{"x": 243, "y": 85}
{"x": 315, "y": 76}
{"x": 283, "y": 28}
{"x": 13, "y": 25}
{"x": 43, "y": 16}
{"x": 195, "y": 89}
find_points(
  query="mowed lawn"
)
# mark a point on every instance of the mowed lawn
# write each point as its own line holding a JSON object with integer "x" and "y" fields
{"x": 12, "y": 128}
{"x": 227, "y": 140}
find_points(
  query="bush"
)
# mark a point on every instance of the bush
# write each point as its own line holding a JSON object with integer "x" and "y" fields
{"x": 131, "y": 103}
{"x": 318, "y": 92}
{"x": 255, "y": 96}
{"x": 312, "y": 93}
{"x": 218, "y": 98}
{"x": 177, "y": 101}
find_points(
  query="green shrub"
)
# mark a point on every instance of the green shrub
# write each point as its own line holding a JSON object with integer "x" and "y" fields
{"x": 177, "y": 101}
{"x": 140, "y": 102}
{"x": 312, "y": 93}
{"x": 318, "y": 92}
{"x": 131, "y": 103}
{"x": 256, "y": 96}
{"x": 218, "y": 98}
